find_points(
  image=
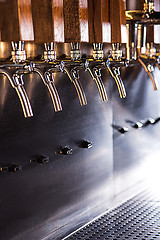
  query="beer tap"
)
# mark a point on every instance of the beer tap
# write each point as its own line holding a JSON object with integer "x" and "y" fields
{"x": 47, "y": 79}
{"x": 140, "y": 21}
{"x": 116, "y": 57}
{"x": 17, "y": 83}
{"x": 118, "y": 35}
{"x": 50, "y": 55}
{"x": 146, "y": 54}
{"x": 73, "y": 74}
{"x": 84, "y": 65}
{"x": 112, "y": 64}
{"x": 18, "y": 57}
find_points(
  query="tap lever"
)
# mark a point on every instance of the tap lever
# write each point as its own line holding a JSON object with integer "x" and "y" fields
{"x": 120, "y": 129}
{"x": 141, "y": 123}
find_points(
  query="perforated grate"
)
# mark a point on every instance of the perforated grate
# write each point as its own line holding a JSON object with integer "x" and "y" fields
{"x": 137, "y": 218}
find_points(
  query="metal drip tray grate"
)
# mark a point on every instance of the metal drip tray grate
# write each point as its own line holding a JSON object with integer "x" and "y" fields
{"x": 137, "y": 218}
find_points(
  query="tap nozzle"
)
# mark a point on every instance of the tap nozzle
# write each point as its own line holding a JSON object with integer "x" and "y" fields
{"x": 49, "y": 81}
{"x": 115, "y": 73}
{"x": 74, "y": 78}
{"x": 96, "y": 76}
{"x": 17, "y": 83}
{"x": 18, "y": 52}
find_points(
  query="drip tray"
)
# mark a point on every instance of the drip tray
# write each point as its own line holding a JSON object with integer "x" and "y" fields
{"x": 137, "y": 218}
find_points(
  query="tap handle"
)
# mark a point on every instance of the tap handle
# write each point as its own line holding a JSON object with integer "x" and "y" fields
{"x": 99, "y": 82}
{"x": 75, "y": 79}
{"x": 53, "y": 91}
{"x": 115, "y": 73}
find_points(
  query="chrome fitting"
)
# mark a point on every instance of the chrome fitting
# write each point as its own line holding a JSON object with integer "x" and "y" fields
{"x": 151, "y": 50}
{"x": 18, "y": 53}
{"x": 49, "y": 53}
{"x": 116, "y": 52}
{"x": 98, "y": 51}
{"x": 75, "y": 51}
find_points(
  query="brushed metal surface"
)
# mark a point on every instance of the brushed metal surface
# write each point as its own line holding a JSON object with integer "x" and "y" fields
{"x": 47, "y": 201}
{"x": 43, "y": 197}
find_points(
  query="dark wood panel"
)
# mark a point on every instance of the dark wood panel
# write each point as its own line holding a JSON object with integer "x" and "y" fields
{"x": 58, "y": 20}
{"x": 98, "y": 18}
{"x": 17, "y": 21}
{"x": 76, "y": 21}
{"x": 118, "y": 21}
{"x": 48, "y": 20}
{"x": 42, "y": 20}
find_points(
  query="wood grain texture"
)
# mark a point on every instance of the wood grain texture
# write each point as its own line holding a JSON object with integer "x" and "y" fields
{"x": 118, "y": 21}
{"x": 42, "y": 20}
{"x": 76, "y": 20}
{"x": 98, "y": 19}
{"x": 1, "y": 9}
{"x": 48, "y": 20}
{"x": 17, "y": 21}
{"x": 58, "y": 20}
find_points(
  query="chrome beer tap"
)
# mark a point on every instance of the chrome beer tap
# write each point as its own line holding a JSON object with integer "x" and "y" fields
{"x": 84, "y": 65}
{"x": 73, "y": 75}
{"x": 18, "y": 84}
{"x": 50, "y": 56}
{"x": 18, "y": 56}
{"x": 146, "y": 55}
{"x": 113, "y": 63}
{"x": 48, "y": 81}
{"x": 115, "y": 59}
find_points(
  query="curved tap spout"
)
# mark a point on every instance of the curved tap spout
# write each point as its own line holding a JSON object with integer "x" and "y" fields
{"x": 17, "y": 83}
{"x": 48, "y": 81}
{"x": 97, "y": 78}
{"x": 53, "y": 91}
{"x": 149, "y": 70}
{"x": 115, "y": 73}
{"x": 75, "y": 79}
